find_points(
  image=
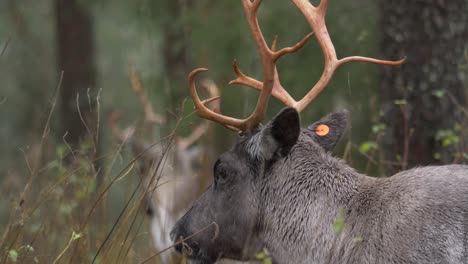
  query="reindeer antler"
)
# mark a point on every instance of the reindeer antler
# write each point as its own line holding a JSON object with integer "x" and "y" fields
{"x": 268, "y": 58}
{"x": 315, "y": 16}
{"x": 150, "y": 116}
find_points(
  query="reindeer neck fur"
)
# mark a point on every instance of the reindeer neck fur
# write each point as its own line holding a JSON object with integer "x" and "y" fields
{"x": 305, "y": 191}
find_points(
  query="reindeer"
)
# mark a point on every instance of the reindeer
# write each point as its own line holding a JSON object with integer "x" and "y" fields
{"x": 169, "y": 169}
{"x": 279, "y": 188}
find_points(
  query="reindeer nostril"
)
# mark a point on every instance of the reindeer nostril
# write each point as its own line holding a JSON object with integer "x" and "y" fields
{"x": 177, "y": 235}
{"x": 178, "y": 247}
{"x": 183, "y": 247}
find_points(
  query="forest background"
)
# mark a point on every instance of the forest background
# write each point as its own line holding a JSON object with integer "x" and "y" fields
{"x": 66, "y": 66}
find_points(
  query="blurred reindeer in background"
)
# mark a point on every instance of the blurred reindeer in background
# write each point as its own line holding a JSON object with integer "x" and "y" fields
{"x": 169, "y": 169}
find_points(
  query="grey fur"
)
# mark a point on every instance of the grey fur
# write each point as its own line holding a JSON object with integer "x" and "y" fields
{"x": 271, "y": 191}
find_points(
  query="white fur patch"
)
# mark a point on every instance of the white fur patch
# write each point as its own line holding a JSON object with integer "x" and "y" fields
{"x": 254, "y": 146}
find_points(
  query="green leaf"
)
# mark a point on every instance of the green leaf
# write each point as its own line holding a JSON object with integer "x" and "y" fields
{"x": 368, "y": 146}
{"x": 378, "y": 128}
{"x": 76, "y": 236}
{"x": 27, "y": 248}
{"x": 13, "y": 255}
{"x": 438, "y": 93}
{"x": 398, "y": 157}
{"x": 261, "y": 255}
{"x": 86, "y": 145}
{"x": 400, "y": 102}
{"x": 60, "y": 151}
{"x": 264, "y": 256}
{"x": 447, "y": 137}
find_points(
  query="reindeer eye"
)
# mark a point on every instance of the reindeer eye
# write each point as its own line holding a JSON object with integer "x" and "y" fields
{"x": 224, "y": 172}
{"x": 221, "y": 176}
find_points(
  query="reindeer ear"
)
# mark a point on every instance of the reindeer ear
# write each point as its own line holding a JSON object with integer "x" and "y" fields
{"x": 328, "y": 131}
{"x": 281, "y": 133}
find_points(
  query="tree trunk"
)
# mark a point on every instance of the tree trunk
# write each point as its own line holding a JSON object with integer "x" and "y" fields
{"x": 176, "y": 46}
{"x": 75, "y": 46}
{"x": 78, "y": 94}
{"x": 423, "y": 98}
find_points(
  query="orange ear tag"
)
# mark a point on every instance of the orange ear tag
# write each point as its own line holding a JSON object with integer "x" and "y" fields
{"x": 322, "y": 130}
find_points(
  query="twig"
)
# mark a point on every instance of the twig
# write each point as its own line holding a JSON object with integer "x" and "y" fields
{"x": 84, "y": 122}
{"x": 31, "y": 171}
{"x": 54, "y": 103}
{"x": 404, "y": 161}
{"x": 457, "y": 103}
{"x": 5, "y": 46}
{"x": 369, "y": 158}
{"x": 73, "y": 237}
{"x": 98, "y": 111}
{"x": 68, "y": 145}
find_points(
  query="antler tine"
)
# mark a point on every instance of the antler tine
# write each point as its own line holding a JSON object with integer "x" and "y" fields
{"x": 278, "y": 91}
{"x": 205, "y": 112}
{"x": 150, "y": 116}
{"x": 200, "y": 130}
{"x": 124, "y": 135}
{"x": 315, "y": 16}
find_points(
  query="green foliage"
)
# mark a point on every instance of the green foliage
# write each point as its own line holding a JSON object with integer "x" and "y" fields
{"x": 439, "y": 93}
{"x": 368, "y": 146}
{"x": 264, "y": 257}
{"x": 13, "y": 255}
{"x": 378, "y": 128}
{"x": 451, "y": 141}
{"x": 66, "y": 215}
{"x": 400, "y": 102}
{"x": 449, "y": 137}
